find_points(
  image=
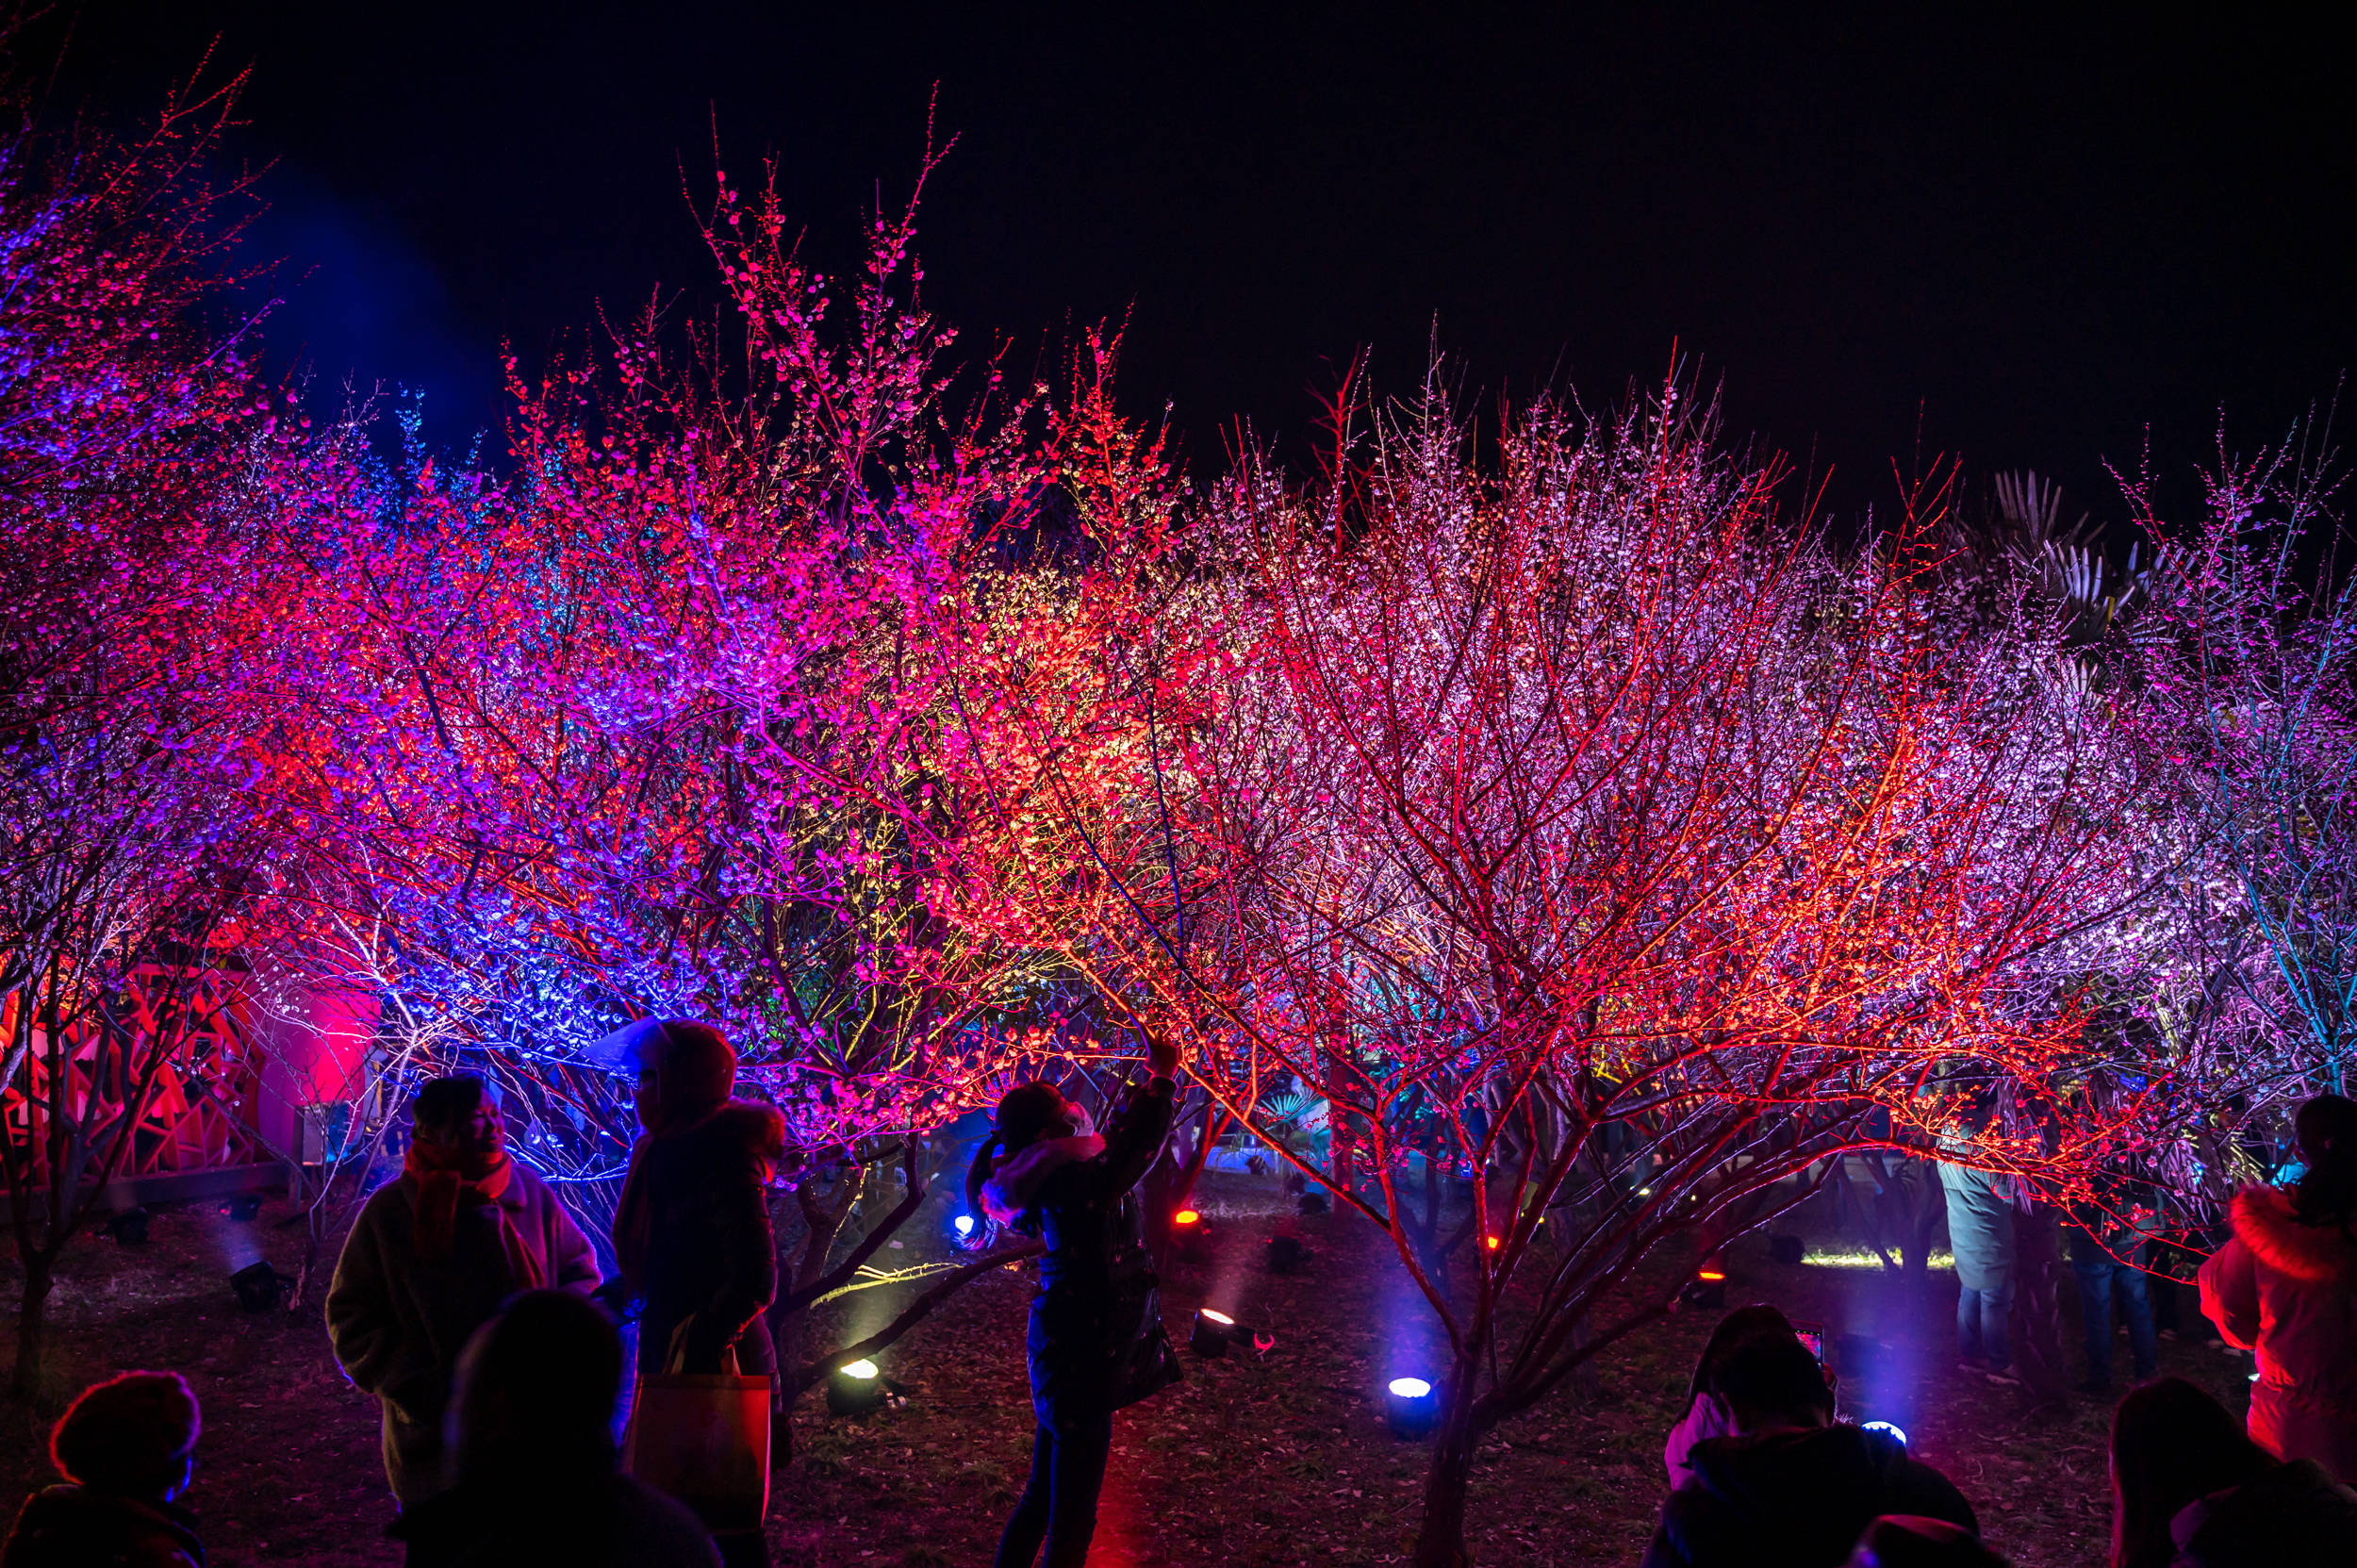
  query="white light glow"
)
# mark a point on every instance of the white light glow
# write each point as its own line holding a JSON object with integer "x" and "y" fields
{"x": 1220, "y": 1318}
{"x": 1886, "y": 1426}
{"x": 862, "y": 1370}
{"x": 964, "y": 1224}
{"x": 1409, "y": 1388}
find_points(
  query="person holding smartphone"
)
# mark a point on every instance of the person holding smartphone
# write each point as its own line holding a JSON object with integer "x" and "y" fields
{"x": 1097, "y": 1341}
{"x": 1789, "y": 1486}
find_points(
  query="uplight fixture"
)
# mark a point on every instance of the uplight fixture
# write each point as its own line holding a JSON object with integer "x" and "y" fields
{"x": 257, "y": 1286}
{"x": 1891, "y": 1426}
{"x": 855, "y": 1389}
{"x": 964, "y": 1226}
{"x": 1410, "y": 1407}
{"x": 1212, "y": 1331}
{"x": 129, "y": 1227}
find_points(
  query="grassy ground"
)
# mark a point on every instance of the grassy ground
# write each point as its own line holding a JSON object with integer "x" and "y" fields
{"x": 1270, "y": 1458}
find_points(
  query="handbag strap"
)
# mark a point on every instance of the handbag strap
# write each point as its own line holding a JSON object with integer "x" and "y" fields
{"x": 675, "y": 1355}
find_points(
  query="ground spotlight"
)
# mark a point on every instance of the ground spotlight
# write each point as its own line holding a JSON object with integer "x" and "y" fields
{"x": 257, "y": 1286}
{"x": 1708, "y": 1288}
{"x": 1212, "y": 1331}
{"x": 129, "y": 1227}
{"x": 855, "y": 1389}
{"x": 1410, "y": 1408}
{"x": 1892, "y": 1428}
{"x": 964, "y": 1225}
{"x": 1286, "y": 1255}
{"x": 1192, "y": 1233}
{"x": 244, "y": 1206}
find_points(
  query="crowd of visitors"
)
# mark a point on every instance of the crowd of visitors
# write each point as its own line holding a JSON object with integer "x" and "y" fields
{"x": 470, "y": 1304}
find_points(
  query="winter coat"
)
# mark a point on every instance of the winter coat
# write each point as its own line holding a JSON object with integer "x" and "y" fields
{"x": 79, "y": 1526}
{"x": 2294, "y": 1513}
{"x": 605, "y": 1520}
{"x": 1980, "y": 1228}
{"x": 2290, "y": 1291}
{"x": 1097, "y": 1311}
{"x": 1797, "y": 1499}
{"x": 709, "y": 1254}
{"x": 398, "y": 1324}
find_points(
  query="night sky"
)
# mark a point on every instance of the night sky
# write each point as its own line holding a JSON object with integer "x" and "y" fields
{"x": 2025, "y": 242}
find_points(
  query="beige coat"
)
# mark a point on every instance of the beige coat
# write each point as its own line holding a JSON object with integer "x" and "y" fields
{"x": 398, "y": 1325}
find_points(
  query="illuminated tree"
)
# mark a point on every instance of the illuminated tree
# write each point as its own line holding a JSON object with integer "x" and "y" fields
{"x": 702, "y": 712}
{"x": 1590, "y": 839}
{"x": 2244, "y": 649}
{"x": 132, "y": 433}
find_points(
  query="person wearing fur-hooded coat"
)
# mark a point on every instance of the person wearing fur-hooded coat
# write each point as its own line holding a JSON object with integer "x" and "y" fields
{"x": 691, "y": 1232}
{"x": 2285, "y": 1286}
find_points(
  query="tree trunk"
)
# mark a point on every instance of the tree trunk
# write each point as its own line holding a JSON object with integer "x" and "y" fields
{"x": 1440, "y": 1536}
{"x": 40, "y": 1275}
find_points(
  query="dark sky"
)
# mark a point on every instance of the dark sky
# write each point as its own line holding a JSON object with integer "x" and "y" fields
{"x": 2021, "y": 239}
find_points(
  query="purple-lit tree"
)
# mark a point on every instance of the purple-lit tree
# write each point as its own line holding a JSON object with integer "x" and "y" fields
{"x": 2245, "y": 637}
{"x": 703, "y": 712}
{"x": 133, "y": 448}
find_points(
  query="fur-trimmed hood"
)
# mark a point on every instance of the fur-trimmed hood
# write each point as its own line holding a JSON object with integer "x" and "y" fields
{"x": 755, "y": 1123}
{"x": 2265, "y": 1222}
{"x": 1015, "y": 1185}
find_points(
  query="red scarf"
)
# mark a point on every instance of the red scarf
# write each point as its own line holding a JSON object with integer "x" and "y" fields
{"x": 443, "y": 1183}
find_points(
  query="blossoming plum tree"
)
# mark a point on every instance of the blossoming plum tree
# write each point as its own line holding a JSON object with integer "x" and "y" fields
{"x": 1590, "y": 838}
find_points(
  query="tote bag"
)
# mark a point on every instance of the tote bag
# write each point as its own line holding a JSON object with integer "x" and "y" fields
{"x": 704, "y": 1439}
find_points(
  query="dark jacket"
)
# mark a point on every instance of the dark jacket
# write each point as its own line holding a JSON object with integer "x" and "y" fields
{"x": 1795, "y": 1500}
{"x": 2294, "y": 1513}
{"x": 78, "y": 1526}
{"x": 605, "y": 1520}
{"x": 398, "y": 1325}
{"x": 1096, "y": 1313}
{"x": 710, "y": 1257}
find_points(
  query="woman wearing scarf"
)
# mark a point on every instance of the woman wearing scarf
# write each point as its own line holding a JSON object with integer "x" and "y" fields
{"x": 432, "y": 1257}
{"x": 692, "y": 1230}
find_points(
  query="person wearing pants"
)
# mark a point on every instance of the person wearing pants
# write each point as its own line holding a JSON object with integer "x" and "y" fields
{"x": 1980, "y": 1233}
{"x": 2103, "y": 1270}
{"x": 1096, "y": 1341}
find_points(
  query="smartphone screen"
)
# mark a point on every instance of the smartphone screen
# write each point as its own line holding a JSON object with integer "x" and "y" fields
{"x": 1812, "y": 1335}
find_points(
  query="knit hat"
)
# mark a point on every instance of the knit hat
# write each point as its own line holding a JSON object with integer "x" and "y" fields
{"x": 131, "y": 1434}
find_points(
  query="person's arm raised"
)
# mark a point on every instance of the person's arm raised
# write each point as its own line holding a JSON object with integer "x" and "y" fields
{"x": 1135, "y": 1139}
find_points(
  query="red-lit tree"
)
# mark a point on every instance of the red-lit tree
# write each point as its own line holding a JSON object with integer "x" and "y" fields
{"x": 1585, "y": 836}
